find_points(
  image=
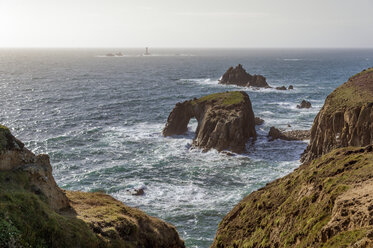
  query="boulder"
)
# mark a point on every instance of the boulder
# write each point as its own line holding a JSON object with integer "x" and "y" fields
{"x": 304, "y": 104}
{"x": 225, "y": 121}
{"x": 291, "y": 87}
{"x": 258, "y": 121}
{"x": 239, "y": 76}
{"x": 346, "y": 119}
{"x": 281, "y": 88}
{"x": 275, "y": 133}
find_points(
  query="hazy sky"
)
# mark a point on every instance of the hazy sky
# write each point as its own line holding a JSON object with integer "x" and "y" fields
{"x": 186, "y": 23}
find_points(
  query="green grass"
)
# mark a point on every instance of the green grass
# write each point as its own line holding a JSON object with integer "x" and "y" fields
{"x": 224, "y": 98}
{"x": 26, "y": 220}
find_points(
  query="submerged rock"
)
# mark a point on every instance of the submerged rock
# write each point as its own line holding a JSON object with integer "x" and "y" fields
{"x": 35, "y": 211}
{"x": 325, "y": 203}
{"x": 281, "y": 88}
{"x": 275, "y": 133}
{"x": 346, "y": 119}
{"x": 258, "y": 121}
{"x": 239, "y": 76}
{"x": 225, "y": 121}
{"x": 304, "y": 104}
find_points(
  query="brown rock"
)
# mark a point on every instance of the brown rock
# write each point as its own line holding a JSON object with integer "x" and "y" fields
{"x": 258, "y": 121}
{"x": 225, "y": 121}
{"x": 304, "y": 104}
{"x": 281, "y": 88}
{"x": 346, "y": 119}
{"x": 239, "y": 76}
{"x": 275, "y": 133}
{"x": 291, "y": 87}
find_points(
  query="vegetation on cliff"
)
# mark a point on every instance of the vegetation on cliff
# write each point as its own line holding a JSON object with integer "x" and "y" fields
{"x": 324, "y": 203}
{"x": 35, "y": 212}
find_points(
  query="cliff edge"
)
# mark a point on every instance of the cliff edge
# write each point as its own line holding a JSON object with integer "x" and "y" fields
{"x": 324, "y": 203}
{"x": 35, "y": 212}
{"x": 346, "y": 119}
{"x": 225, "y": 121}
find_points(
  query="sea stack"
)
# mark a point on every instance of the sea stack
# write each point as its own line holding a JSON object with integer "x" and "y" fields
{"x": 225, "y": 121}
{"x": 239, "y": 76}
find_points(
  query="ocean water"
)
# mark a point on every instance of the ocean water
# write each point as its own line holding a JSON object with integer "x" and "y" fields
{"x": 100, "y": 120}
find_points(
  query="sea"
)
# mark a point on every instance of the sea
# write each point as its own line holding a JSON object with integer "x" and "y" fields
{"x": 100, "y": 119}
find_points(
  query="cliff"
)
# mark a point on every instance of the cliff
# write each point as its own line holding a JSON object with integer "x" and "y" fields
{"x": 324, "y": 203}
{"x": 239, "y": 76}
{"x": 346, "y": 119}
{"x": 225, "y": 121}
{"x": 35, "y": 212}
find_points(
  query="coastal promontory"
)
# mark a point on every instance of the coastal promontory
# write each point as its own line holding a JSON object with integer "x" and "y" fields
{"x": 225, "y": 121}
{"x": 35, "y": 212}
{"x": 346, "y": 119}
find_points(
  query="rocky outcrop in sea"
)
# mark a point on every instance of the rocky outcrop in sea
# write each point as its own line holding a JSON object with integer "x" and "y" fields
{"x": 239, "y": 76}
{"x": 225, "y": 121}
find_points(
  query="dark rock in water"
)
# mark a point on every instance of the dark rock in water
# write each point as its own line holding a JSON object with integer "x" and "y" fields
{"x": 238, "y": 76}
{"x": 345, "y": 119}
{"x": 110, "y": 55}
{"x": 290, "y": 87}
{"x": 138, "y": 192}
{"x": 304, "y": 104}
{"x": 281, "y": 88}
{"x": 225, "y": 121}
{"x": 258, "y": 121}
{"x": 275, "y": 133}
{"x": 119, "y": 54}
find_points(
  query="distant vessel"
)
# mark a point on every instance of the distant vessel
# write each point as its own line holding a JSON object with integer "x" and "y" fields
{"x": 147, "y": 51}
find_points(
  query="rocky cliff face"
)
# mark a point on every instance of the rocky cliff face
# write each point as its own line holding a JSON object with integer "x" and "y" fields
{"x": 35, "y": 212}
{"x": 346, "y": 119}
{"x": 225, "y": 121}
{"x": 324, "y": 203}
{"x": 238, "y": 76}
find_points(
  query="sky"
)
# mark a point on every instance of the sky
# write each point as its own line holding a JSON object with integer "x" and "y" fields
{"x": 188, "y": 24}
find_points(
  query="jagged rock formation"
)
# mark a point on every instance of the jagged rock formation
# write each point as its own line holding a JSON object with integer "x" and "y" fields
{"x": 35, "y": 212}
{"x": 275, "y": 133}
{"x": 225, "y": 121}
{"x": 291, "y": 87}
{"x": 324, "y": 203}
{"x": 304, "y": 104}
{"x": 239, "y": 76}
{"x": 346, "y": 119}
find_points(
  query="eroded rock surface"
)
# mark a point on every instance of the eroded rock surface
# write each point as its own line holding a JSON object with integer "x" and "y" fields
{"x": 225, "y": 121}
{"x": 346, "y": 119}
{"x": 239, "y": 76}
